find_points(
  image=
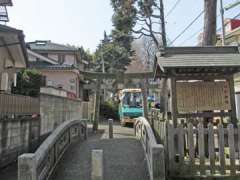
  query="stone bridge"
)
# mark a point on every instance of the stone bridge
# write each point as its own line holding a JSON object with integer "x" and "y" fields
{"x": 128, "y": 155}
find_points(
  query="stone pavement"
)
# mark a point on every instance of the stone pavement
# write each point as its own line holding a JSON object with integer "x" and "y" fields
{"x": 124, "y": 157}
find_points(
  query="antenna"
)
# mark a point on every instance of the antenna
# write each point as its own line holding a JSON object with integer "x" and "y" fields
{"x": 3, "y": 10}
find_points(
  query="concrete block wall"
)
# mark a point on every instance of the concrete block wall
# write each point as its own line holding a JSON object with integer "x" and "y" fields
{"x": 55, "y": 110}
{"x": 24, "y": 134}
{"x": 17, "y": 136}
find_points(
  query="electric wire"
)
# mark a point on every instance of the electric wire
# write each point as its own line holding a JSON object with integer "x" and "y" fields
{"x": 172, "y": 9}
{"x": 185, "y": 29}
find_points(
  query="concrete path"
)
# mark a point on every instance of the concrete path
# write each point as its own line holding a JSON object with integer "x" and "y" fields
{"x": 124, "y": 158}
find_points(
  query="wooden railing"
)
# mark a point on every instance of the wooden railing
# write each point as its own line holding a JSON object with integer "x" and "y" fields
{"x": 203, "y": 151}
{"x": 41, "y": 164}
{"x": 154, "y": 152}
{"x": 11, "y": 104}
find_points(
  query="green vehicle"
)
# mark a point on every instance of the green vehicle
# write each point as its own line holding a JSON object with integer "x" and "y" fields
{"x": 130, "y": 105}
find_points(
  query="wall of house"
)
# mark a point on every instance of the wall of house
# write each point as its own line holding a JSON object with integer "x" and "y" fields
{"x": 70, "y": 59}
{"x": 69, "y": 81}
{"x": 53, "y": 56}
{"x": 5, "y": 60}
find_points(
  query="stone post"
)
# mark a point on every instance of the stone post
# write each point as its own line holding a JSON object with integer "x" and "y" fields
{"x": 97, "y": 165}
{"x": 110, "y": 124}
{"x": 158, "y": 162}
{"x": 86, "y": 130}
{"x": 27, "y": 167}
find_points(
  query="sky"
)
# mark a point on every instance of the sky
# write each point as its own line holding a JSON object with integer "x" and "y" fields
{"x": 82, "y": 22}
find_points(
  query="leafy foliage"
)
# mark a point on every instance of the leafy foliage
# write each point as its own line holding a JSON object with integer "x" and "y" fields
{"x": 115, "y": 49}
{"x": 109, "y": 109}
{"x": 28, "y": 83}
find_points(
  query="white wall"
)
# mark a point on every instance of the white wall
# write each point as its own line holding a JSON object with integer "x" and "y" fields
{"x": 53, "y": 56}
{"x": 70, "y": 59}
{"x": 68, "y": 80}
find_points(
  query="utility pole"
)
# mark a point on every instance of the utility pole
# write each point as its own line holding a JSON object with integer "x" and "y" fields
{"x": 163, "y": 29}
{"x": 209, "y": 34}
{"x": 223, "y": 24}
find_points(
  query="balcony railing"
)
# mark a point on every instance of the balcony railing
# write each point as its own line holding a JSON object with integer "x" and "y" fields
{"x": 11, "y": 104}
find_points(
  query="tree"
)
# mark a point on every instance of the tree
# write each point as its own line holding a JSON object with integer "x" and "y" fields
{"x": 145, "y": 50}
{"x": 28, "y": 83}
{"x": 150, "y": 21}
{"x": 209, "y": 35}
{"x": 115, "y": 57}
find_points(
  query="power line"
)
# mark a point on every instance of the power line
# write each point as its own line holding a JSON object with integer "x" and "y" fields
{"x": 196, "y": 33}
{"x": 192, "y": 36}
{"x": 195, "y": 19}
{"x": 172, "y": 9}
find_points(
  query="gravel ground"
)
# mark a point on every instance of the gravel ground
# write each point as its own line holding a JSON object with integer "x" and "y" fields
{"x": 124, "y": 158}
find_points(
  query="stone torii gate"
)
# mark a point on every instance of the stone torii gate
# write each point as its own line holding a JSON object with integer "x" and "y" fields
{"x": 120, "y": 77}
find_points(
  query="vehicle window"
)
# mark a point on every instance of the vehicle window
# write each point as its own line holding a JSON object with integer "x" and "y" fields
{"x": 132, "y": 99}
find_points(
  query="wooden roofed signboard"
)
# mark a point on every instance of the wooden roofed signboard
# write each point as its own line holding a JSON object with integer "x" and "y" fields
{"x": 201, "y": 81}
{"x": 202, "y": 96}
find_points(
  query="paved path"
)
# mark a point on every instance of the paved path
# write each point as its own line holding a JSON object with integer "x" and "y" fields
{"x": 123, "y": 157}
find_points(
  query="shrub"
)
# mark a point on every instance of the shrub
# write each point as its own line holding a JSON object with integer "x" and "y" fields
{"x": 28, "y": 83}
{"x": 109, "y": 110}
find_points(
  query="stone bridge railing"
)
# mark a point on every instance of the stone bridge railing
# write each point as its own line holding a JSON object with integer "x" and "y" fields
{"x": 154, "y": 152}
{"x": 41, "y": 164}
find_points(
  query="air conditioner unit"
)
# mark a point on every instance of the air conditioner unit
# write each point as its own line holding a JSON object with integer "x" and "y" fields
{"x": 4, "y": 81}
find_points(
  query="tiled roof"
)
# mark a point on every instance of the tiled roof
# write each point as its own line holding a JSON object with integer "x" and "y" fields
{"x": 55, "y": 67}
{"x": 41, "y": 58}
{"x": 4, "y": 28}
{"x": 49, "y": 46}
{"x": 192, "y": 57}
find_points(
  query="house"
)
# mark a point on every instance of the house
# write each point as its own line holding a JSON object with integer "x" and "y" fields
{"x": 65, "y": 77}
{"x": 13, "y": 56}
{"x": 61, "y": 54}
{"x": 232, "y": 32}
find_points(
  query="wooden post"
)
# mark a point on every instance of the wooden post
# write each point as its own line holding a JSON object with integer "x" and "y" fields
{"x": 96, "y": 107}
{"x": 110, "y": 124}
{"x": 97, "y": 165}
{"x": 233, "y": 103}
{"x": 174, "y": 101}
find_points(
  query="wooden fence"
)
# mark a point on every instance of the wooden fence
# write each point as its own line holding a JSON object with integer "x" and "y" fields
{"x": 203, "y": 151}
{"x": 11, "y": 104}
{"x": 158, "y": 125}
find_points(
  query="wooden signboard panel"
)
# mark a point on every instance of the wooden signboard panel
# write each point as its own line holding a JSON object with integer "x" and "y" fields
{"x": 203, "y": 96}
